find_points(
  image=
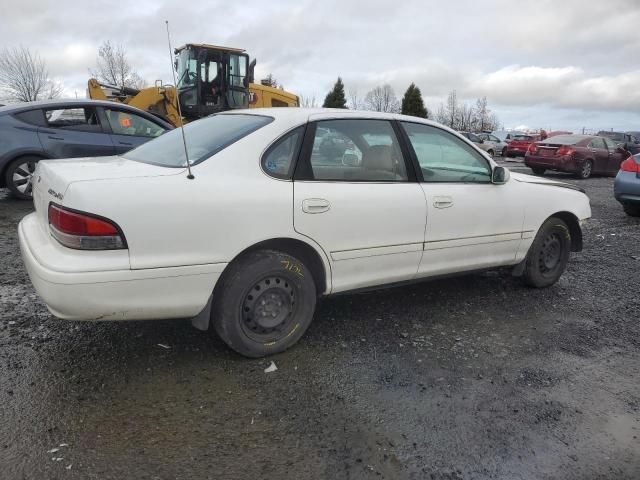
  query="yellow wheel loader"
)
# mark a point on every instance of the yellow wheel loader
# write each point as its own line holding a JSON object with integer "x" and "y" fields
{"x": 210, "y": 78}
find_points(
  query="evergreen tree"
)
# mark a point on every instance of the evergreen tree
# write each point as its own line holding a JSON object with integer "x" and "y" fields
{"x": 412, "y": 103}
{"x": 335, "y": 98}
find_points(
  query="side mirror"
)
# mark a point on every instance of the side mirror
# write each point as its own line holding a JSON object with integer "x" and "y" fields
{"x": 350, "y": 160}
{"x": 500, "y": 176}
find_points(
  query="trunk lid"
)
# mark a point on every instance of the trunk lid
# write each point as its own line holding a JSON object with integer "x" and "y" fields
{"x": 53, "y": 177}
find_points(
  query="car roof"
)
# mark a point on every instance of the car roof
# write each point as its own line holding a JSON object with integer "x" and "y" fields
{"x": 302, "y": 115}
{"x": 76, "y": 102}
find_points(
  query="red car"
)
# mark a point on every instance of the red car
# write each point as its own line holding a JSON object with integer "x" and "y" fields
{"x": 579, "y": 154}
{"x": 519, "y": 144}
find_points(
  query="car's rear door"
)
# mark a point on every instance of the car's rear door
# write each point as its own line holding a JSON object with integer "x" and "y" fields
{"x": 74, "y": 131}
{"x": 356, "y": 197}
{"x": 128, "y": 129}
{"x": 600, "y": 155}
{"x": 471, "y": 222}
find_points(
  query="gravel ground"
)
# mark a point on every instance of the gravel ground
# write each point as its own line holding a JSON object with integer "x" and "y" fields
{"x": 474, "y": 377}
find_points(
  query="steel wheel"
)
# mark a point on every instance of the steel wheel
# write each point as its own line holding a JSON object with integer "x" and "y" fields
{"x": 269, "y": 309}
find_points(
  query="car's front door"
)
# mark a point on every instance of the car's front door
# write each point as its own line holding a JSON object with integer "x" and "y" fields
{"x": 130, "y": 130}
{"x": 600, "y": 155}
{"x": 471, "y": 222}
{"x": 616, "y": 156}
{"x": 74, "y": 131}
{"x": 355, "y": 197}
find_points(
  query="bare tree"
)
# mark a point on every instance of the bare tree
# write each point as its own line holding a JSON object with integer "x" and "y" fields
{"x": 382, "y": 99}
{"x": 24, "y": 76}
{"x": 308, "y": 102}
{"x": 355, "y": 102}
{"x": 451, "y": 108}
{"x": 113, "y": 67}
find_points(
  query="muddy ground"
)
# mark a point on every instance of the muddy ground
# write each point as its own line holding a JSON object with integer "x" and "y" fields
{"x": 474, "y": 377}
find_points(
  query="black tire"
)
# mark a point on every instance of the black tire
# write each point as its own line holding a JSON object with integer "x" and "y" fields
{"x": 504, "y": 152}
{"x": 492, "y": 153}
{"x": 18, "y": 177}
{"x": 631, "y": 210}
{"x": 256, "y": 287}
{"x": 586, "y": 170}
{"x": 538, "y": 170}
{"x": 549, "y": 253}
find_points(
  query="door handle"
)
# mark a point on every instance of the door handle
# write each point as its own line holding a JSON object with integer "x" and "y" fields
{"x": 315, "y": 205}
{"x": 55, "y": 138}
{"x": 443, "y": 202}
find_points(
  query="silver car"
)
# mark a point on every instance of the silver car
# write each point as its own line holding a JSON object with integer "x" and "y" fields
{"x": 500, "y": 146}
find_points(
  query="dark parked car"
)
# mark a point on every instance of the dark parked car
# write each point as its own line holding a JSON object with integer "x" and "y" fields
{"x": 579, "y": 154}
{"x": 626, "y": 188}
{"x": 30, "y": 132}
{"x": 625, "y": 140}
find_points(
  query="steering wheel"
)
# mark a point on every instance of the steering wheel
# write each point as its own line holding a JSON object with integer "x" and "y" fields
{"x": 192, "y": 77}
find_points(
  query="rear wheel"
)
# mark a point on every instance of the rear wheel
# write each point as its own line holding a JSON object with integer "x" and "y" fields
{"x": 264, "y": 304}
{"x": 18, "y": 177}
{"x": 632, "y": 210}
{"x": 538, "y": 170}
{"x": 548, "y": 256}
{"x": 586, "y": 169}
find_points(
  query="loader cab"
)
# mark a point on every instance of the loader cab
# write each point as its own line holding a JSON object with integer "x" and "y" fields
{"x": 211, "y": 79}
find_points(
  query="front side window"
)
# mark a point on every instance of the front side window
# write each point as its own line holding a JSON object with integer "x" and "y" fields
{"x": 611, "y": 145}
{"x": 83, "y": 119}
{"x": 358, "y": 151}
{"x": 204, "y": 139}
{"x": 445, "y": 158}
{"x": 126, "y": 123}
{"x": 278, "y": 161}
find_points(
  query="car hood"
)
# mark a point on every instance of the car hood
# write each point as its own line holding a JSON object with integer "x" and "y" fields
{"x": 522, "y": 177}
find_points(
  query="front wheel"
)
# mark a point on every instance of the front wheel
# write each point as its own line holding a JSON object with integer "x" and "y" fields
{"x": 492, "y": 153}
{"x": 264, "y": 304}
{"x": 549, "y": 253}
{"x": 18, "y": 177}
{"x": 504, "y": 152}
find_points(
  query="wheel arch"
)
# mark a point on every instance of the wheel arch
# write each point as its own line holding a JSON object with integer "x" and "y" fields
{"x": 7, "y": 162}
{"x": 574, "y": 228}
{"x": 308, "y": 254}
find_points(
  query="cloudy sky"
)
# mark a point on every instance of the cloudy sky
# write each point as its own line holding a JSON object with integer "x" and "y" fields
{"x": 563, "y": 64}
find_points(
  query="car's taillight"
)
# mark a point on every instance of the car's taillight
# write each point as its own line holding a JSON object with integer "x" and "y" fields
{"x": 630, "y": 165}
{"x": 564, "y": 150}
{"x": 533, "y": 149}
{"x": 84, "y": 231}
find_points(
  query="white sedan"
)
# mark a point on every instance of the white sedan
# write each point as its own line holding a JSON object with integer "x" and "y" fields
{"x": 285, "y": 205}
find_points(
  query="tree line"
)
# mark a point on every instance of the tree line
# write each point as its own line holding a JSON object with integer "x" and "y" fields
{"x": 382, "y": 98}
{"x": 24, "y": 77}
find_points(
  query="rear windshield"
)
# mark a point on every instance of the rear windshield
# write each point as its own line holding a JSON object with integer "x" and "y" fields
{"x": 612, "y": 135}
{"x": 204, "y": 138}
{"x": 564, "y": 139}
{"x": 525, "y": 138}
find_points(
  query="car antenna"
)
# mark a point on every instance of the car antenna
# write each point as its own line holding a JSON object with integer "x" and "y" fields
{"x": 175, "y": 83}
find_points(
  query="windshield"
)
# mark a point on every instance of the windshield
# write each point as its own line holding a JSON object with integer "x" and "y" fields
{"x": 187, "y": 68}
{"x": 204, "y": 138}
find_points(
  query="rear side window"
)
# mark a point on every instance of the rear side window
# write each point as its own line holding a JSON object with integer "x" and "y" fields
{"x": 597, "y": 143}
{"x": 357, "y": 151}
{"x": 204, "y": 138}
{"x": 278, "y": 161}
{"x": 33, "y": 117}
{"x": 83, "y": 119}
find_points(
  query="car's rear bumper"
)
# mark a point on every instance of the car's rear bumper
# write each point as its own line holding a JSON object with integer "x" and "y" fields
{"x": 626, "y": 188}
{"x": 156, "y": 293}
{"x": 562, "y": 164}
{"x": 516, "y": 151}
